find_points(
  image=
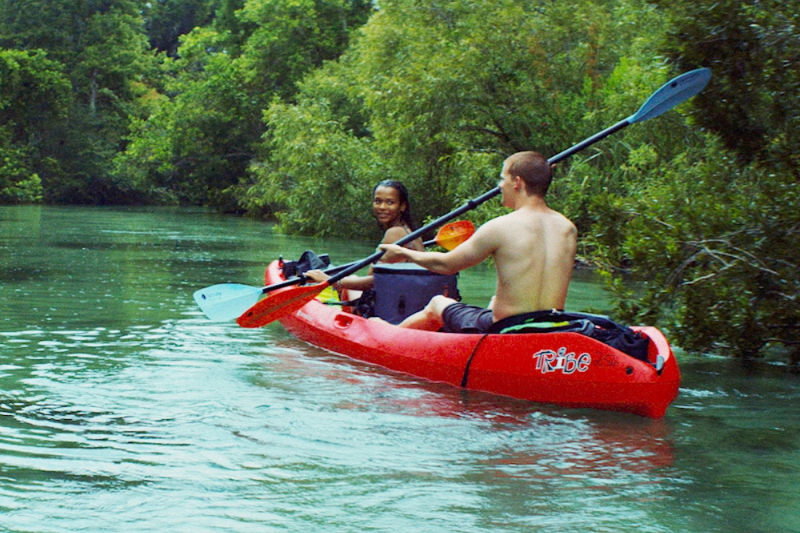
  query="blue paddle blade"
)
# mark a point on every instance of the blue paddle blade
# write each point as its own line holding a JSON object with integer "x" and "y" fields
{"x": 226, "y": 301}
{"x": 672, "y": 93}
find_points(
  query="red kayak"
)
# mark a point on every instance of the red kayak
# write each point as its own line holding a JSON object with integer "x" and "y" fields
{"x": 562, "y": 368}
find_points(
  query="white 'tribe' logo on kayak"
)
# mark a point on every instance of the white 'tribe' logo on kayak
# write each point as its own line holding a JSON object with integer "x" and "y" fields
{"x": 568, "y": 363}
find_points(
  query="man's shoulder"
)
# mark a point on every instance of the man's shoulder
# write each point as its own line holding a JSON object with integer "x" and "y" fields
{"x": 507, "y": 218}
{"x": 500, "y": 224}
{"x": 561, "y": 218}
{"x": 539, "y": 218}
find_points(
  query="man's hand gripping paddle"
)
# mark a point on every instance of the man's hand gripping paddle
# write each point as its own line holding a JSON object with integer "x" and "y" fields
{"x": 226, "y": 301}
{"x": 282, "y": 302}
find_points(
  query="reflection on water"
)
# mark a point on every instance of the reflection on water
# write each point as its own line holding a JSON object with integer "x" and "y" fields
{"x": 122, "y": 408}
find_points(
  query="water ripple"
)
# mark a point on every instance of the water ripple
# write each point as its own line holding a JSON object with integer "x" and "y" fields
{"x": 123, "y": 408}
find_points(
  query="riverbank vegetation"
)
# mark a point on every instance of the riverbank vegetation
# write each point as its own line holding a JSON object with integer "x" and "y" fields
{"x": 292, "y": 110}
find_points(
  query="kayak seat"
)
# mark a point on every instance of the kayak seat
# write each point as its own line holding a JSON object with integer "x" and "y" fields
{"x": 402, "y": 289}
{"x": 598, "y": 327}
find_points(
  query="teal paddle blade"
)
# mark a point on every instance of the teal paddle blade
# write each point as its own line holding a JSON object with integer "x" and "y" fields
{"x": 226, "y": 301}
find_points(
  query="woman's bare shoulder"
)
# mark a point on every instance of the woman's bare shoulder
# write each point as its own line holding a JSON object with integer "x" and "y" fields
{"x": 394, "y": 234}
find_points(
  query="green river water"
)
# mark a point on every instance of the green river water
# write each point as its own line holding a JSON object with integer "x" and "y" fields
{"x": 122, "y": 408}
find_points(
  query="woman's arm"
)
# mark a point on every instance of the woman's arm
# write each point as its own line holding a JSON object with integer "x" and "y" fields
{"x": 395, "y": 233}
{"x": 356, "y": 283}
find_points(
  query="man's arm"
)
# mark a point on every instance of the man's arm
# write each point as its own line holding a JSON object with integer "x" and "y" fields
{"x": 471, "y": 252}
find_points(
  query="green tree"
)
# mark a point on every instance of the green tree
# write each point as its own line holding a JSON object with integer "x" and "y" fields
{"x": 167, "y": 20}
{"x": 34, "y": 94}
{"x": 315, "y": 165}
{"x": 752, "y": 48}
{"x": 199, "y": 143}
{"x": 195, "y": 142}
{"x": 102, "y": 49}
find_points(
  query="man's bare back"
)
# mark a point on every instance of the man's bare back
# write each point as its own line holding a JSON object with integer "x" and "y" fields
{"x": 534, "y": 258}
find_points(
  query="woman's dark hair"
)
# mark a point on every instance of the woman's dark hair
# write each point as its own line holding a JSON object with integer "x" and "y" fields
{"x": 403, "y": 192}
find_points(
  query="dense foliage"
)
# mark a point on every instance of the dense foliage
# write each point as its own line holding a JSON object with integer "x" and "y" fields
{"x": 436, "y": 95}
{"x": 717, "y": 234}
{"x": 33, "y": 94}
{"x": 294, "y": 109}
{"x": 202, "y": 135}
{"x": 97, "y": 50}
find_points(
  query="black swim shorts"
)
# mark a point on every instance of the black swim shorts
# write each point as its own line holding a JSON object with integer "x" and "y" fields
{"x": 463, "y": 318}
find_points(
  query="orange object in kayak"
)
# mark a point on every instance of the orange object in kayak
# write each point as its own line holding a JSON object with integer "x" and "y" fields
{"x": 562, "y": 368}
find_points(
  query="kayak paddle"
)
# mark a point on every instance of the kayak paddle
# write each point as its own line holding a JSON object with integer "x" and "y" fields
{"x": 226, "y": 301}
{"x": 672, "y": 93}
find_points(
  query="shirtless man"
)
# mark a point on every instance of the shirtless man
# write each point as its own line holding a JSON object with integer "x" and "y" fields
{"x": 533, "y": 248}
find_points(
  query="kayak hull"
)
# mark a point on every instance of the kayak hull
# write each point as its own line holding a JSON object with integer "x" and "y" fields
{"x": 562, "y": 368}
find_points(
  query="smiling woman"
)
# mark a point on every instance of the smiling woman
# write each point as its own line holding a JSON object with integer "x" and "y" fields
{"x": 392, "y": 209}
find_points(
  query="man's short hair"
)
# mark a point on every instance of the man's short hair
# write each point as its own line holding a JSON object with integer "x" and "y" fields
{"x": 534, "y": 170}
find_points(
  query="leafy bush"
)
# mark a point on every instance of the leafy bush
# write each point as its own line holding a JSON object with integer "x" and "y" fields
{"x": 713, "y": 246}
